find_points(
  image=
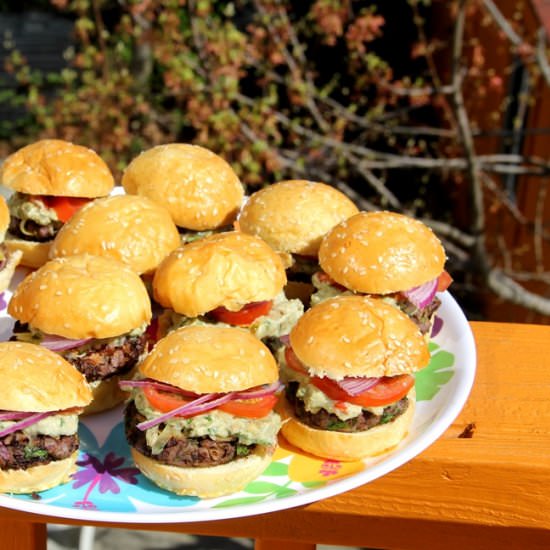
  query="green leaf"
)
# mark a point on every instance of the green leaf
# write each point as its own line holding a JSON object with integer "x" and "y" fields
{"x": 239, "y": 501}
{"x": 263, "y": 487}
{"x": 276, "y": 469}
{"x": 430, "y": 380}
{"x": 313, "y": 484}
{"x": 285, "y": 492}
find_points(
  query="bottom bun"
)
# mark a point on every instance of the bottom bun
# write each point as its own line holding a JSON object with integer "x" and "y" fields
{"x": 14, "y": 257}
{"x": 35, "y": 254}
{"x": 343, "y": 445}
{"x": 207, "y": 482}
{"x": 38, "y": 478}
{"x": 107, "y": 394}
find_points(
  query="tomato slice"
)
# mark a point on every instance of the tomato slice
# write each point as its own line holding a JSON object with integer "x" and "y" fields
{"x": 64, "y": 207}
{"x": 293, "y": 362}
{"x": 152, "y": 332}
{"x": 166, "y": 401}
{"x": 389, "y": 390}
{"x": 245, "y": 316}
{"x": 444, "y": 282}
{"x": 250, "y": 408}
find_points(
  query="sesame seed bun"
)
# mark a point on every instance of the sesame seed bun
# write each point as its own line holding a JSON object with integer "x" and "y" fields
{"x": 4, "y": 218}
{"x": 131, "y": 229}
{"x": 14, "y": 256}
{"x": 82, "y": 296}
{"x": 346, "y": 446}
{"x": 57, "y": 167}
{"x": 293, "y": 216}
{"x": 199, "y": 188}
{"x": 38, "y": 478}
{"x": 358, "y": 336}
{"x": 35, "y": 379}
{"x": 228, "y": 269}
{"x": 33, "y": 254}
{"x": 210, "y": 482}
{"x": 381, "y": 252}
{"x": 209, "y": 359}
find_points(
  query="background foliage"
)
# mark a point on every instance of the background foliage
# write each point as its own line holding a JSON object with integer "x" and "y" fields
{"x": 364, "y": 95}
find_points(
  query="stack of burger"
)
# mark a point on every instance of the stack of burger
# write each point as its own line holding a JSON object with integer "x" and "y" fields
{"x": 230, "y": 279}
{"x": 204, "y": 405}
{"x": 386, "y": 255}
{"x": 292, "y": 217}
{"x": 49, "y": 180}
{"x": 199, "y": 189}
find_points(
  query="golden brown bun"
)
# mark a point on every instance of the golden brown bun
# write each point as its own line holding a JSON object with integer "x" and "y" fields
{"x": 381, "y": 252}
{"x": 82, "y": 297}
{"x": 209, "y": 482}
{"x": 35, "y": 379}
{"x": 107, "y": 394}
{"x": 209, "y": 359}
{"x": 294, "y": 215}
{"x": 57, "y": 167}
{"x": 228, "y": 269}
{"x": 199, "y": 188}
{"x": 130, "y": 229}
{"x": 33, "y": 253}
{"x": 38, "y": 478}
{"x": 346, "y": 446}
{"x": 4, "y": 218}
{"x": 358, "y": 336}
{"x": 6, "y": 273}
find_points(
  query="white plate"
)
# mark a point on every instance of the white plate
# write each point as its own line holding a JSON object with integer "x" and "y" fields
{"x": 107, "y": 486}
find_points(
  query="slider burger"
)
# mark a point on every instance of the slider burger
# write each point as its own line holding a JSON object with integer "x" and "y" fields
{"x": 292, "y": 217}
{"x": 349, "y": 378}
{"x": 199, "y": 189}
{"x": 92, "y": 311}
{"x": 133, "y": 230}
{"x": 42, "y": 396}
{"x": 8, "y": 259}
{"x": 51, "y": 180}
{"x": 386, "y": 255}
{"x": 229, "y": 279}
{"x": 200, "y": 420}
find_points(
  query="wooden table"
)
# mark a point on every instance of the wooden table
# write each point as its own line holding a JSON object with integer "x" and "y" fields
{"x": 489, "y": 490}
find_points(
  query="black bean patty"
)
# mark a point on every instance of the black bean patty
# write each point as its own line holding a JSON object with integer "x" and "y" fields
{"x": 182, "y": 451}
{"x": 19, "y": 451}
{"x": 324, "y": 420}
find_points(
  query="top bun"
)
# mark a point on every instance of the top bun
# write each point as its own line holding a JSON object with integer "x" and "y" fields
{"x": 209, "y": 359}
{"x": 35, "y": 379}
{"x": 227, "y": 269}
{"x": 57, "y": 167}
{"x": 381, "y": 252}
{"x": 293, "y": 216}
{"x": 82, "y": 297}
{"x": 358, "y": 336}
{"x": 4, "y": 218}
{"x": 133, "y": 230}
{"x": 199, "y": 188}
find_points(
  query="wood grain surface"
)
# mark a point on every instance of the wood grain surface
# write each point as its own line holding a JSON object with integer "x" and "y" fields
{"x": 484, "y": 484}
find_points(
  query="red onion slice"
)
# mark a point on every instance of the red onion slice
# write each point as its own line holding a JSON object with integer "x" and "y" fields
{"x": 260, "y": 392}
{"x": 355, "y": 386}
{"x": 422, "y": 295}
{"x": 148, "y": 383}
{"x": 58, "y": 343}
{"x": 29, "y": 421}
{"x": 200, "y": 405}
{"x": 14, "y": 415}
{"x": 285, "y": 339}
